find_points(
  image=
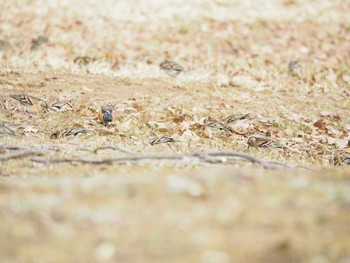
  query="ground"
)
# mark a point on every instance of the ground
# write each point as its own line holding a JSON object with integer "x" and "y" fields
{"x": 61, "y": 201}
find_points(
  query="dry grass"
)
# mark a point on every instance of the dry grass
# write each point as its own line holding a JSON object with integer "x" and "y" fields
{"x": 236, "y": 56}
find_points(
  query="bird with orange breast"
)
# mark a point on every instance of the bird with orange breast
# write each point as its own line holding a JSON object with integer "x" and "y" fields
{"x": 31, "y": 103}
{"x": 105, "y": 115}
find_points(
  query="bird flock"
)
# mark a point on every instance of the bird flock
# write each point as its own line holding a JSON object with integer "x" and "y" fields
{"x": 33, "y": 105}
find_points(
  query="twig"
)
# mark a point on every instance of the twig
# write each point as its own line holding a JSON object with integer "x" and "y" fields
{"x": 113, "y": 147}
{"x": 22, "y": 148}
{"x": 267, "y": 164}
{"x": 19, "y": 154}
{"x": 202, "y": 156}
{"x": 120, "y": 160}
{"x": 12, "y": 147}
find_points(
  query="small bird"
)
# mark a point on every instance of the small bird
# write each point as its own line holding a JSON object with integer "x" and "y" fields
{"x": 343, "y": 79}
{"x": 216, "y": 126}
{"x": 68, "y": 132}
{"x": 106, "y": 115}
{"x": 83, "y": 61}
{"x": 32, "y": 103}
{"x": 341, "y": 158}
{"x": 294, "y": 68}
{"x": 160, "y": 140}
{"x": 236, "y": 117}
{"x": 264, "y": 142}
{"x": 219, "y": 127}
{"x": 171, "y": 68}
{"x": 61, "y": 106}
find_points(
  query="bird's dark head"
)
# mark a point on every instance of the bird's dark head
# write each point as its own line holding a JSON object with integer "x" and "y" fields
{"x": 107, "y": 114}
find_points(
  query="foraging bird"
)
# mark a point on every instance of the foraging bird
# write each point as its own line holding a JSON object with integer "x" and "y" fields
{"x": 216, "y": 126}
{"x": 68, "y": 132}
{"x": 171, "y": 68}
{"x": 83, "y": 61}
{"x": 294, "y": 68}
{"x": 265, "y": 142}
{"x": 161, "y": 139}
{"x": 61, "y": 106}
{"x": 342, "y": 158}
{"x": 32, "y": 103}
{"x": 219, "y": 127}
{"x": 236, "y": 117}
{"x": 343, "y": 79}
{"x": 106, "y": 115}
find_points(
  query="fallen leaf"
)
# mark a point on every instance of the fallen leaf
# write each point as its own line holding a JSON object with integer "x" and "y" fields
{"x": 320, "y": 124}
{"x": 183, "y": 126}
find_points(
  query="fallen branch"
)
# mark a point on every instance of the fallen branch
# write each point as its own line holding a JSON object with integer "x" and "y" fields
{"x": 22, "y": 148}
{"x": 19, "y": 154}
{"x": 120, "y": 160}
{"x": 113, "y": 147}
{"x": 205, "y": 157}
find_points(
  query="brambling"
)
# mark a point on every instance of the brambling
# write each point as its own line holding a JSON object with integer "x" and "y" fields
{"x": 32, "y": 103}
{"x": 160, "y": 140}
{"x": 105, "y": 115}
{"x": 342, "y": 159}
{"x": 68, "y": 132}
{"x": 235, "y": 117}
{"x": 343, "y": 156}
{"x": 294, "y": 68}
{"x": 263, "y": 142}
{"x": 83, "y": 61}
{"x": 171, "y": 68}
{"x": 346, "y": 159}
{"x": 61, "y": 106}
{"x": 216, "y": 126}
{"x": 343, "y": 79}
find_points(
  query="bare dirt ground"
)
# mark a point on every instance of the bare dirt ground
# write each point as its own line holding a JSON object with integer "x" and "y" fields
{"x": 61, "y": 201}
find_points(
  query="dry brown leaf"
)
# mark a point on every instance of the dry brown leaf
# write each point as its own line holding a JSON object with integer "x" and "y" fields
{"x": 163, "y": 126}
{"x": 137, "y": 106}
{"x": 188, "y": 136}
{"x": 174, "y": 111}
{"x": 242, "y": 127}
{"x": 105, "y": 132}
{"x": 288, "y": 132}
{"x": 125, "y": 126}
{"x": 118, "y": 113}
{"x": 208, "y": 133}
{"x": 183, "y": 126}
{"x": 178, "y": 119}
{"x": 320, "y": 124}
